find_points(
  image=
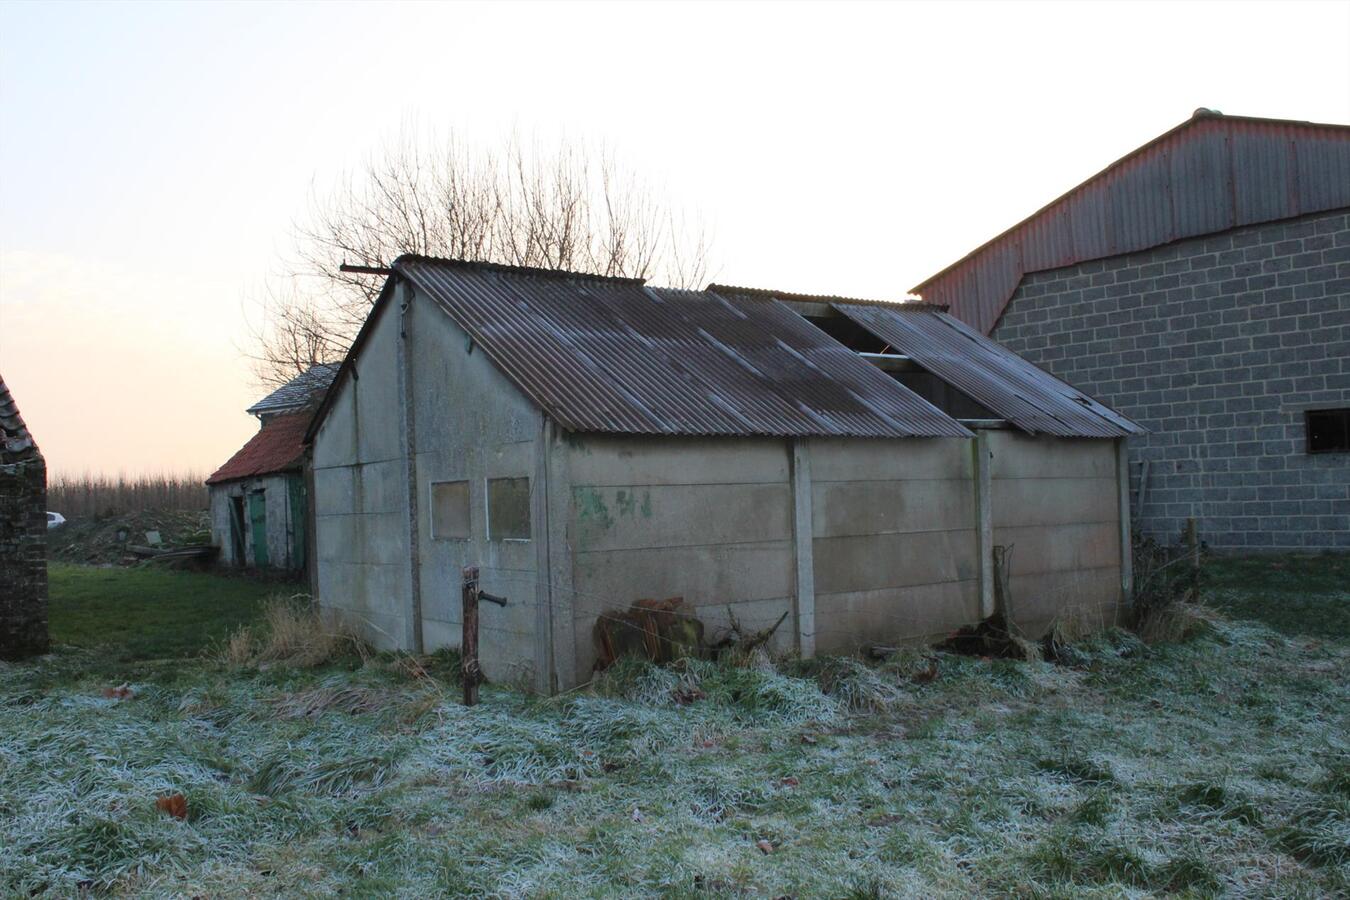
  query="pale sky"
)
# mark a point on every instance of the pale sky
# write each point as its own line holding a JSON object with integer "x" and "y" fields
{"x": 153, "y": 158}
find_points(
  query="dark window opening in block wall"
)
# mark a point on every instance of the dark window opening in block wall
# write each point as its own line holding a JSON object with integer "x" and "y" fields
{"x": 1328, "y": 430}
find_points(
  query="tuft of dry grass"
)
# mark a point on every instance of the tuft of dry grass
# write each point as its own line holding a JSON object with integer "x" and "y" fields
{"x": 295, "y": 633}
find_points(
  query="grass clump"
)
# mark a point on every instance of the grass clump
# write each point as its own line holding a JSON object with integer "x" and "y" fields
{"x": 293, "y": 632}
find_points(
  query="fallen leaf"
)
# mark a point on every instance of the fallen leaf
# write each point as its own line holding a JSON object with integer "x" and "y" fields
{"x": 174, "y": 804}
{"x": 764, "y": 847}
{"x": 121, "y": 692}
{"x": 791, "y": 781}
{"x": 808, "y": 739}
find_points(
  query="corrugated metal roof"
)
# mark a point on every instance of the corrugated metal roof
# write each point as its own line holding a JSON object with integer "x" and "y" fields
{"x": 611, "y": 355}
{"x": 16, "y": 443}
{"x": 1211, "y": 173}
{"x": 297, "y": 393}
{"x": 998, "y": 379}
{"x": 277, "y": 447}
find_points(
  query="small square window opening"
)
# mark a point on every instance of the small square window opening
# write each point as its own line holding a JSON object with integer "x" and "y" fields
{"x": 1328, "y": 430}
{"x": 450, "y": 511}
{"x": 508, "y": 509}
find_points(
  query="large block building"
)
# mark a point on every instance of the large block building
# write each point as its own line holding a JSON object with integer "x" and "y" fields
{"x": 1201, "y": 285}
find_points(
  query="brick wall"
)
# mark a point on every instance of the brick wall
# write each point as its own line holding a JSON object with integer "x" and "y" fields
{"x": 1217, "y": 345}
{"x": 23, "y": 558}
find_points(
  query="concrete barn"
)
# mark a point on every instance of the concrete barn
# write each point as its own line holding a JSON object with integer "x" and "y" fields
{"x": 259, "y": 505}
{"x": 23, "y": 536}
{"x": 1201, "y": 285}
{"x": 589, "y": 442}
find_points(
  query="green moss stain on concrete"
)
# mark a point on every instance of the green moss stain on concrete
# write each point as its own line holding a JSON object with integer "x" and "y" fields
{"x": 597, "y": 512}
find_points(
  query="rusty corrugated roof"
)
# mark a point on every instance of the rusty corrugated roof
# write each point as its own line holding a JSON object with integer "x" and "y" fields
{"x": 612, "y": 355}
{"x": 995, "y": 377}
{"x": 1209, "y": 174}
{"x": 277, "y": 447}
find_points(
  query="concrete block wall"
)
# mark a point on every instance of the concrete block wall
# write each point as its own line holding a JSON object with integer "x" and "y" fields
{"x": 1217, "y": 345}
{"x": 23, "y": 558}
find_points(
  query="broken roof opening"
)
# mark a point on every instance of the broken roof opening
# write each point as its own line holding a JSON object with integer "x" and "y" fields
{"x": 898, "y": 365}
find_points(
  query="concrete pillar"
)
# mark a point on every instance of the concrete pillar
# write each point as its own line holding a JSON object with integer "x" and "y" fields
{"x": 412, "y": 613}
{"x": 555, "y": 563}
{"x": 802, "y": 537}
{"x": 1123, "y": 508}
{"x": 984, "y": 520}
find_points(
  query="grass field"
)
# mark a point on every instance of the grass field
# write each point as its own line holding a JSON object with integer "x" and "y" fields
{"x": 1216, "y": 765}
{"x": 145, "y": 613}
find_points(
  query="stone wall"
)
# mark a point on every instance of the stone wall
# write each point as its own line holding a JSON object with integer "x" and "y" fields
{"x": 1218, "y": 345}
{"x": 23, "y": 558}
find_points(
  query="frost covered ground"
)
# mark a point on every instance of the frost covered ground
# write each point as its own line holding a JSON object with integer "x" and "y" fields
{"x": 1220, "y": 764}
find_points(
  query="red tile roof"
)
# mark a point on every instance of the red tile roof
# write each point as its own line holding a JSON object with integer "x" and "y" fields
{"x": 277, "y": 447}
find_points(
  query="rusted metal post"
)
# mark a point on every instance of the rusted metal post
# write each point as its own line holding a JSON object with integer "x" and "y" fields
{"x": 468, "y": 648}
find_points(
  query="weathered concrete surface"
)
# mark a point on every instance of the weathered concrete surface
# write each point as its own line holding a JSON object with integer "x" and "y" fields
{"x": 282, "y": 521}
{"x": 1056, "y": 504}
{"x": 894, "y": 541}
{"x": 474, "y": 425}
{"x": 360, "y": 498}
{"x": 708, "y": 520}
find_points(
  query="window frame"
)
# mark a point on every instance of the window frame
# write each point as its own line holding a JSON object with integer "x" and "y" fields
{"x": 487, "y": 507}
{"x": 1343, "y": 413}
{"x": 468, "y": 509}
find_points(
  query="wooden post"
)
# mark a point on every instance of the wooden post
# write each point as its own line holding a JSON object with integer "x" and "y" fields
{"x": 468, "y": 648}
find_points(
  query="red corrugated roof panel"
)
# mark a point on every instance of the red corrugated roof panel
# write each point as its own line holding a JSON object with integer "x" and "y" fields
{"x": 277, "y": 447}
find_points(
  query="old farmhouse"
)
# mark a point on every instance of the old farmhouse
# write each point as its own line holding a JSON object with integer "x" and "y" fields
{"x": 259, "y": 505}
{"x": 589, "y": 442}
{"x": 1201, "y": 284}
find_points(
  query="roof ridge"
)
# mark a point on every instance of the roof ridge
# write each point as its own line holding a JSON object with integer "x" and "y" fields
{"x": 769, "y": 293}
{"x": 1200, "y": 115}
{"x": 509, "y": 269}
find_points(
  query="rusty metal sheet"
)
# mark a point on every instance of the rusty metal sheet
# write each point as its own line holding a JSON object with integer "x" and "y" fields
{"x": 1029, "y": 397}
{"x": 611, "y": 355}
{"x": 1212, "y": 173}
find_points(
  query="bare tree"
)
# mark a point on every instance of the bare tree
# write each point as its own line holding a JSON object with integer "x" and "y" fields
{"x": 560, "y": 207}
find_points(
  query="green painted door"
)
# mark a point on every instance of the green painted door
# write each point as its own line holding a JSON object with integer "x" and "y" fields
{"x": 257, "y": 516}
{"x": 299, "y": 513}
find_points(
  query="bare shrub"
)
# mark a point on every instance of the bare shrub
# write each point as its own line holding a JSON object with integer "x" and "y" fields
{"x": 86, "y": 495}
{"x": 1166, "y": 592}
{"x": 561, "y": 206}
{"x": 294, "y": 632}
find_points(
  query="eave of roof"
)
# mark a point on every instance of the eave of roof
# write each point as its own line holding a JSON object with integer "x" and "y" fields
{"x": 277, "y": 447}
{"x": 1200, "y": 115}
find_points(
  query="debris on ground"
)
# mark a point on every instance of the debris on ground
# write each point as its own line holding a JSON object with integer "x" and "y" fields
{"x": 129, "y": 538}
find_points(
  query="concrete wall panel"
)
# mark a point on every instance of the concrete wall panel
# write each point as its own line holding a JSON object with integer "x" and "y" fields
{"x": 895, "y": 506}
{"x": 846, "y": 622}
{"x": 641, "y": 516}
{"x": 619, "y": 461}
{"x": 845, "y": 459}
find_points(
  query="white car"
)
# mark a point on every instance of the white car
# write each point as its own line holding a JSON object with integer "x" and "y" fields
{"x": 55, "y": 520}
